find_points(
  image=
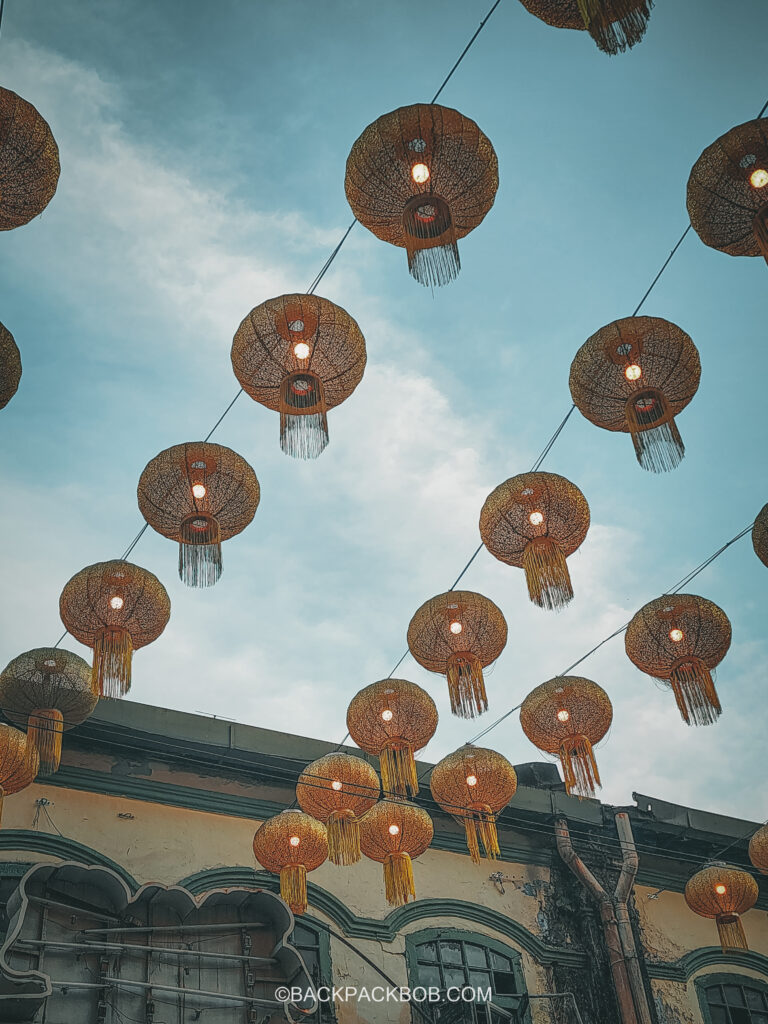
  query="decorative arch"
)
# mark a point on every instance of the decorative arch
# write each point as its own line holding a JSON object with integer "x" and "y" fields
{"x": 731, "y": 978}
{"x": 63, "y": 849}
{"x": 704, "y": 957}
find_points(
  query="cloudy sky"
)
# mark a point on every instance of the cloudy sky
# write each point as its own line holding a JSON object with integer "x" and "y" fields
{"x": 203, "y": 150}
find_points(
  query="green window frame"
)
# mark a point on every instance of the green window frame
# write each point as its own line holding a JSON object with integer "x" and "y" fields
{"x": 314, "y": 944}
{"x": 732, "y": 999}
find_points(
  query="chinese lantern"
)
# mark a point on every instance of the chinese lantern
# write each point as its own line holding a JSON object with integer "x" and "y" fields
{"x": 474, "y": 784}
{"x": 680, "y": 638}
{"x": 457, "y": 634}
{"x": 421, "y": 178}
{"x": 534, "y": 521}
{"x": 338, "y": 789}
{"x": 728, "y": 191}
{"x": 289, "y": 845}
{"x": 636, "y": 375}
{"x": 567, "y": 716}
{"x": 758, "y": 850}
{"x": 393, "y": 834}
{"x": 198, "y": 494}
{"x": 10, "y": 366}
{"x": 724, "y": 893}
{"x": 46, "y": 691}
{"x": 300, "y": 355}
{"x": 760, "y": 535}
{"x": 19, "y": 762}
{"x": 615, "y": 25}
{"x": 115, "y": 608}
{"x": 393, "y": 719}
{"x": 29, "y": 161}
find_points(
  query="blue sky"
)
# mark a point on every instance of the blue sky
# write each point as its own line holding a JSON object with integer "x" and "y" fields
{"x": 203, "y": 151}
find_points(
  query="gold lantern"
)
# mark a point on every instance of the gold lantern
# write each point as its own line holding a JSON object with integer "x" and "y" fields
{"x": 393, "y": 719}
{"x": 567, "y": 716}
{"x": 289, "y": 845}
{"x": 115, "y": 608}
{"x": 615, "y": 25}
{"x": 534, "y": 521}
{"x": 457, "y": 634}
{"x": 10, "y": 367}
{"x": 421, "y": 178}
{"x": 680, "y": 638}
{"x": 29, "y": 161}
{"x": 19, "y": 762}
{"x": 636, "y": 375}
{"x": 758, "y": 850}
{"x": 723, "y": 893}
{"x": 46, "y": 691}
{"x": 300, "y": 355}
{"x": 760, "y": 535}
{"x": 393, "y": 833}
{"x": 338, "y": 789}
{"x": 474, "y": 784}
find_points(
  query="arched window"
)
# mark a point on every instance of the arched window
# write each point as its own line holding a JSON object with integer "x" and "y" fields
{"x": 733, "y": 999}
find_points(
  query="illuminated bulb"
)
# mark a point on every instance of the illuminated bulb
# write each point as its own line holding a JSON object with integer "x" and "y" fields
{"x": 563, "y": 716}
{"x": 759, "y": 178}
{"x": 198, "y": 490}
{"x": 536, "y": 518}
{"x": 394, "y": 830}
{"x": 336, "y": 785}
{"x": 294, "y": 840}
{"x": 471, "y": 780}
{"x": 456, "y": 628}
{"x": 420, "y": 173}
{"x": 720, "y": 890}
{"x": 387, "y": 715}
{"x": 633, "y": 372}
{"x": 116, "y": 603}
{"x": 301, "y": 350}
{"x": 675, "y": 635}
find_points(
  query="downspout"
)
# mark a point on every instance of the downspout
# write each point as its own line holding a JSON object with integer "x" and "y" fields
{"x": 608, "y": 918}
{"x": 623, "y": 890}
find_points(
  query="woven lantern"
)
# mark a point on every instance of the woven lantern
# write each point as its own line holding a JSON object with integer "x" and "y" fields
{"x": 758, "y": 850}
{"x": 393, "y": 834}
{"x": 567, "y": 716}
{"x": 300, "y": 355}
{"x": 115, "y": 608}
{"x": 338, "y": 789}
{"x": 198, "y": 494}
{"x": 760, "y": 535}
{"x": 680, "y": 638}
{"x": 10, "y": 367}
{"x": 534, "y": 521}
{"x": 393, "y": 719}
{"x": 723, "y": 893}
{"x": 29, "y": 161}
{"x": 615, "y": 25}
{"x": 474, "y": 784}
{"x": 636, "y": 375}
{"x": 458, "y": 634}
{"x": 46, "y": 691}
{"x": 19, "y": 762}
{"x": 422, "y": 177}
{"x": 289, "y": 845}
{"x": 728, "y": 191}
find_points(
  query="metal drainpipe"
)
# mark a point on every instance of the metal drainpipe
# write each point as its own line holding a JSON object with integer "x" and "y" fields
{"x": 627, "y": 878}
{"x": 608, "y": 918}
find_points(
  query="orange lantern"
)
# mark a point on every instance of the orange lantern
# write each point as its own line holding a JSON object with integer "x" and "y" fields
{"x": 393, "y": 834}
{"x": 758, "y": 850}
{"x": 289, "y": 845}
{"x": 338, "y": 789}
{"x": 19, "y": 762}
{"x": 723, "y": 893}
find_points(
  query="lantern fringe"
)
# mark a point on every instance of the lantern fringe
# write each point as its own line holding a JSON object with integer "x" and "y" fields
{"x": 546, "y": 573}
{"x": 200, "y": 551}
{"x": 112, "y": 652}
{"x": 616, "y": 25}
{"x": 433, "y": 251}
{"x": 293, "y": 887}
{"x": 579, "y": 766}
{"x": 2, "y": 801}
{"x": 480, "y": 827}
{"x": 695, "y": 692}
{"x": 398, "y": 879}
{"x": 731, "y": 932}
{"x": 659, "y": 449}
{"x": 303, "y": 436}
{"x": 343, "y": 838}
{"x": 466, "y": 685}
{"x": 398, "y": 769}
{"x": 44, "y": 729}
{"x": 760, "y": 225}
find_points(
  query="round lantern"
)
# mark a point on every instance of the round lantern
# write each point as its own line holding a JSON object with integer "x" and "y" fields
{"x": 300, "y": 355}
{"x": 728, "y": 191}
{"x": 29, "y": 161}
{"x": 758, "y": 850}
{"x": 636, "y": 375}
{"x": 289, "y": 845}
{"x": 760, "y": 535}
{"x": 474, "y": 784}
{"x": 198, "y": 494}
{"x": 115, "y": 608}
{"x": 338, "y": 789}
{"x": 393, "y": 834}
{"x": 46, "y": 691}
{"x": 19, "y": 762}
{"x": 534, "y": 521}
{"x": 393, "y": 719}
{"x": 10, "y": 367}
{"x": 567, "y": 716}
{"x": 421, "y": 178}
{"x": 723, "y": 893}
{"x": 615, "y": 25}
{"x": 680, "y": 638}
{"x": 457, "y": 634}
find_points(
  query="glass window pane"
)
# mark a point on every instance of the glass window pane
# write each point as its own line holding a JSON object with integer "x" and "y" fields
{"x": 454, "y": 977}
{"x": 505, "y": 983}
{"x": 755, "y": 999}
{"x": 427, "y": 952}
{"x": 480, "y": 979}
{"x": 719, "y": 1015}
{"x": 429, "y": 975}
{"x": 475, "y": 955}
{"x": 303, "y": 936}
{"x": 450, "y": 953}
{"x": 733, "y": 995}
{"x": 500, "y": 963}
{"x": 740, "y": 1016}
{"x": 759, "y": 1018}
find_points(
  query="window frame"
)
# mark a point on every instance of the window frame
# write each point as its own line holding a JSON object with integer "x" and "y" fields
{"x": 327, "y": 1013}
{"x": 705, "y": 981}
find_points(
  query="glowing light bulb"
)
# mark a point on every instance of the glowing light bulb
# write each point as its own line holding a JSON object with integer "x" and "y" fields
{"x": 633, "y": 372}
{"x": 675, "y": 635}
{"x": 394, "y": 830}
{"x": 420, "y": 173}
{"x": 336, "y": 785}
{"x": 759, "y": 178}
{"x": 536, "y": 518}
{"x": 116, "y": 603}
{"x": 563, "y": 716}
{"x": 456, "y": 628}
{"x": 720, "y": 890}
{"x": 301, "y": 350}
{"x": 471, "y": 780}
{"x": 199, "y": 490}
{"x": 387, "y": 715}
{"x": 294, "y": 840}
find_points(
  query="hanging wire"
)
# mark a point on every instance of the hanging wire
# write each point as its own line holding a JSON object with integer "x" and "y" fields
{"x": 2, "y": 8}
{"x": 464, "y": 52}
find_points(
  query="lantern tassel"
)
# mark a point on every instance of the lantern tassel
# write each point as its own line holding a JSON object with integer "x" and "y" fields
{"x": 579, "y": 766}
{"x": 343, "y": 838}
{"x": 695, "y": 692}
{"x": 658, "y": 445}
{"x": 293, "y": 887}
{"x": 2, "y": 801}
{"x": 303, "y": 420}
{"x": 398, "y": 879}
{"x": 398, "y": 769}
{"x": 616, "y": 25}
{"x": 480, "y": 827}
{"x": 112, "y": 652}
{"x": 200, "y": 551}
{"x": 430, "y": 241}
{"x": 760, "y": 225}
{"x": 466, "y": 685}
{"x": 546, "y": 573}
{"x": 44, "y": 729}
{"x": 731, "y": 932}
